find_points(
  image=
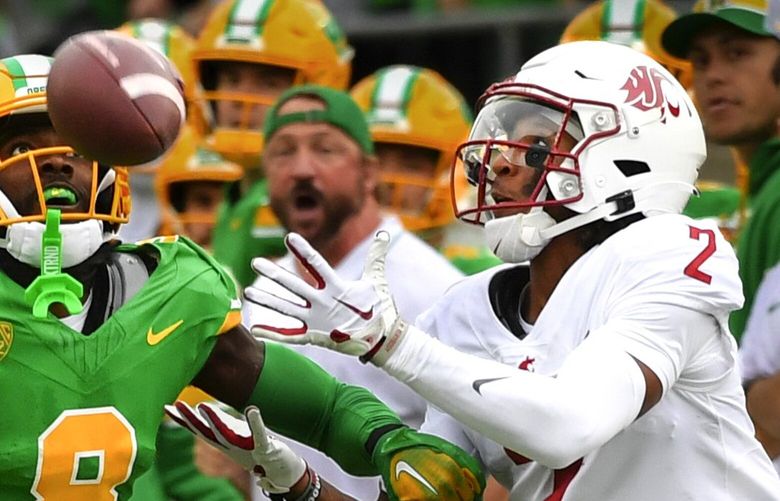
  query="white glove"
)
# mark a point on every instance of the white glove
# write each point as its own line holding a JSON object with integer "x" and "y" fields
{"x": 353, "y": 317}
{"x": 276, "y": 467}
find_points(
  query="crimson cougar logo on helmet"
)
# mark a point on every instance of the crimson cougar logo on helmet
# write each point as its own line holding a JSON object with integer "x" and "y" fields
{"x": 645, "y": 87}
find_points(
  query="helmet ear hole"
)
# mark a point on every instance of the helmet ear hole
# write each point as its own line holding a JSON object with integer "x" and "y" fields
{"x": 631, "y": 167}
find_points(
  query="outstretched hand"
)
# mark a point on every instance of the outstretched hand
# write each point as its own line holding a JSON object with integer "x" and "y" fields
{"x": 275, "y": 466}
{"x": 353, "y": 317}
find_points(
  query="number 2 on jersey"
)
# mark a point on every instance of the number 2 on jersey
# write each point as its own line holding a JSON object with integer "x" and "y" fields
{"x": 84, "y": 454}
{"x": 692, "y": 270}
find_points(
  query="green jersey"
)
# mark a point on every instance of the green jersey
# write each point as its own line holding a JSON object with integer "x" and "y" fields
{"x": 759, "y": 242}
{"x": 720, "y": 202}
{"x": 247, "y": 229}
{"x": 81, "y": 412}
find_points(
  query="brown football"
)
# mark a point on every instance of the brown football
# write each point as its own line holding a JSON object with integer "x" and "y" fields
{"x": 114, "y": 99}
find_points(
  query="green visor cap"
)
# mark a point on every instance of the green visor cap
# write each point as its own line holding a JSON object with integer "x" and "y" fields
{"x": 745, "y": 14}
{"x": 340, "y": 110}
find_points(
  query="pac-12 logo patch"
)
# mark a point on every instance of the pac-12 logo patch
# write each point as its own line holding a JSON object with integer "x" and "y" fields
{"x": 6, "y": 338}
{"x": 650, "y": 89}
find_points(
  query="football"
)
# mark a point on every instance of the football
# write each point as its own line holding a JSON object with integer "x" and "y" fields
{"x": 114, "y": 99}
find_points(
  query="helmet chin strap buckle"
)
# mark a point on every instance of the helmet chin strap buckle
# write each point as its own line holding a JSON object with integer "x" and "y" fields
{"x": 53, "y": 286}
{"x": 624, "y": 202}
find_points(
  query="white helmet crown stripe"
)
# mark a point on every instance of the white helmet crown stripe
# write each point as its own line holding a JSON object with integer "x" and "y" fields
{"x": 393, "y": 90}
{"x": 245, "y": 18}
{"x": 621, "y": 20}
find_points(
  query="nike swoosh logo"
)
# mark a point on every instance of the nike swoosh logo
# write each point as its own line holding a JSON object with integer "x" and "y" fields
{"x": 365, "y": 315}
{"x": 404, "y": 467}
{"x": 773, "y": 307}
{"x": 479, "y": 382}
{"x": 155, "y": 337}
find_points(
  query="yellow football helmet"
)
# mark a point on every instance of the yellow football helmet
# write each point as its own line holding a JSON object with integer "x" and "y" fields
{"x": 23, "y": 82}
{"x": 189, "y": 161}
{"x": 414, "y": 106}
{"x": 300, "y": 35}
{"x": 176, "y": 44}
{"x": 635, "y": 23}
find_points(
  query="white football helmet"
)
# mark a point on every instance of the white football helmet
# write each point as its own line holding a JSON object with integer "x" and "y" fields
{"x": 597, "y": 127}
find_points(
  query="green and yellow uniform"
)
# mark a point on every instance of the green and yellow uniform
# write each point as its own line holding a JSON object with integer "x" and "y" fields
{"x": 82, "y": 412}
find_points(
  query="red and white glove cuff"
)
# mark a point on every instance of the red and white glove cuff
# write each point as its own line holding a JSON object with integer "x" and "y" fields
{"x": 384, "y": 349}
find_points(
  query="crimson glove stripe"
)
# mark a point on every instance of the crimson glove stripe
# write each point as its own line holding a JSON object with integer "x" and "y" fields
{"x": 305, "y": 263}
{"x": 195, "y": 420}
{"x": 245, "y": 443}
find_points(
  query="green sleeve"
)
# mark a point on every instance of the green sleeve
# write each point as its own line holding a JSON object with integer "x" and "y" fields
{"x": 178, "y": 474}
{"x": 300, "y": 400}
{"x": 758, "y": 248}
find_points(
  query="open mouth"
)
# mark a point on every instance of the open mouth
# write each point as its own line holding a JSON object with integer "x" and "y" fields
{"x": 306, "y": 198}
{"x": 498, "y": 198}
{"x": 60, "y": 196}
{"x": 305, "y": 202}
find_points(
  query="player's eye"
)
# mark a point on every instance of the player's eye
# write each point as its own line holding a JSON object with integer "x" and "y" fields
{"x": 537, "y": 154}
{"x": 20, "y": 149}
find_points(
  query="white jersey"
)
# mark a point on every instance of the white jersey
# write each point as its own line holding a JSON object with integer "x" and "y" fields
{"x": 697, "y": 442}
{"x": 418, "y": 276}
{"x": 760, "y": 349}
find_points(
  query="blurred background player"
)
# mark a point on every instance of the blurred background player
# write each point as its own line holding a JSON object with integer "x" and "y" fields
{"x": 638, "y": 24}
{"x": 322, "y": 178}
{"x": 735, "y": 79}
{"x": 190, "y": 184}
{"x": 175, "y": 44}
{"x": 247, "y": 54}
{"x": 417, "y": 120}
